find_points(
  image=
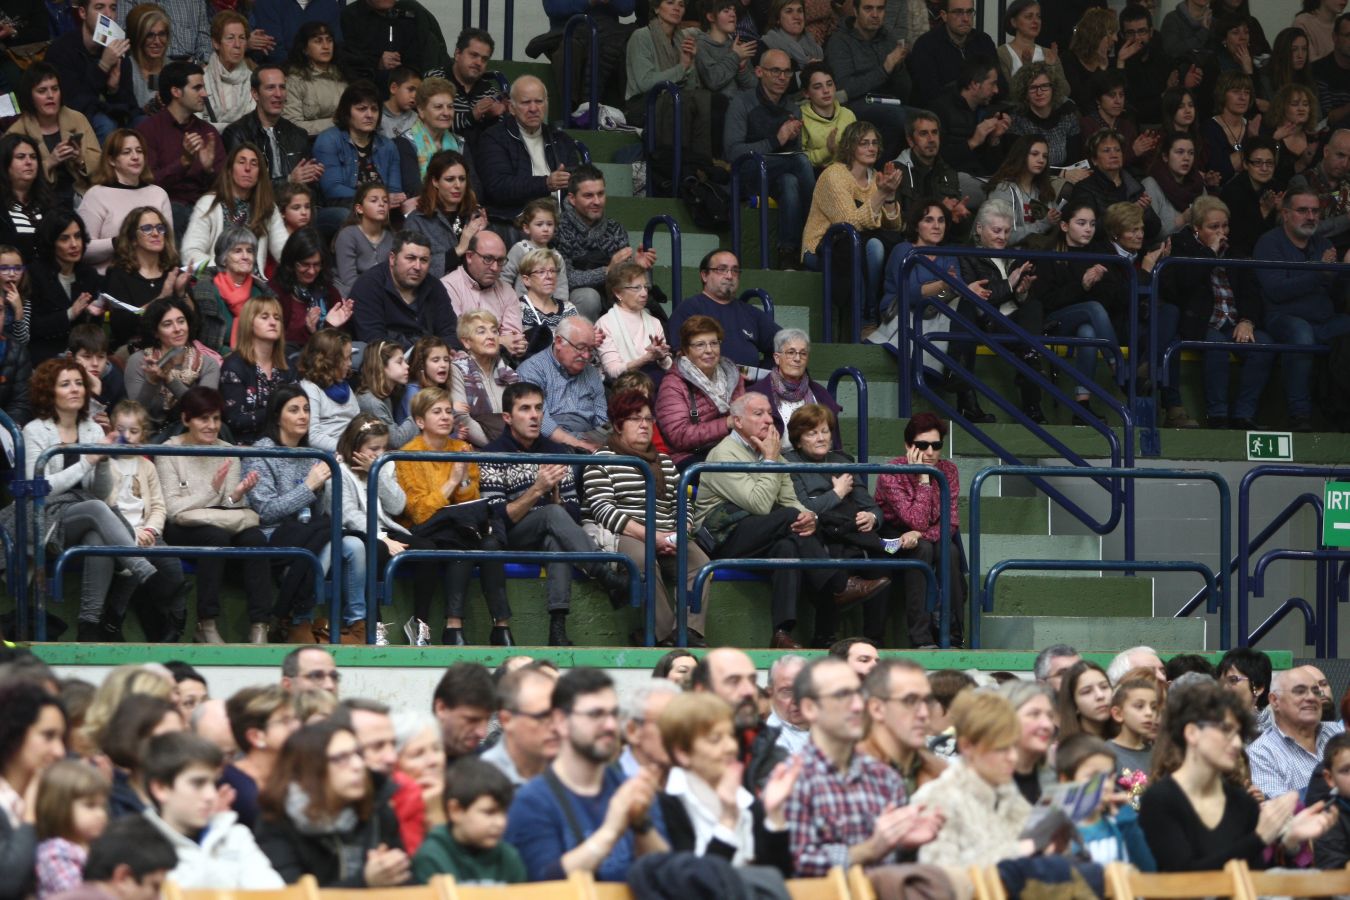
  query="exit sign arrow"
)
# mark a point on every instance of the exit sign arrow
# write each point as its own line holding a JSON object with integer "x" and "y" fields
{"x": 1270, "y": 445}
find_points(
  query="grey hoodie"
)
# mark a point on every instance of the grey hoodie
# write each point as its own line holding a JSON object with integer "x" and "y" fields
{"x": 719, "y": 69}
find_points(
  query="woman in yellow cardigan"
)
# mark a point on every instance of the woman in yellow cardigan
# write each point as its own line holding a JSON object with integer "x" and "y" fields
{"x": 851, "y": 190}
{"x": 444, "y": 506}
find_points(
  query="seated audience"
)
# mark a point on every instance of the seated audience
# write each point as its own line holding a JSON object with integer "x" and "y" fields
{"x": 66, "y": 289}
{"x": 616, "y": 502}
{"x": 663, "y": 52}
{"x": 242, "y": 196}
{"x": 16, "y": 367}
{"x": 166, "y": 336}
{"x": 1206, "y": 726}
{"x": 483, "y": 376}
{"x": 148, "y": 29}
{"x": 761, "y": 121}
{"x": 724, "y": 62}
{"x": 748, "y": 329}
{"x": 136, "y": 719}
{"x": 70, "y": 152}
{"x": 184, "y": 152}
{"x": 303, "y": 830}
{"x": 939, "y": 53}
{"x": 228, "y": 72}
{"x": 252, "y": 373}
{"x": 429, "y": 366}
{"x": 926, "y": 173}
{"x": 464, "y": 848}
{"x": 1332, "y": 850}
{"x": 353, "y": 152}
{"x": 419, "y": 772}
{"x": 788, "y": 32}
{"x": 396, "y": 301}
{"x": 384, "y": 381}
{"x": 130, "y": 858}
{"x": 284, "y": 145}
{"x": 279, "y": 22}
{"x": 633, "y": 339}
{"x": 788, "y": 384}
{"x": 539, "y": 223}
{"x": 144, "y": 268}
{"x": 757, "y": 513}
{"x": 95, "y": 77}
{"x": 25, "y": 193}
{"x": 122, "y": 183}
{"x": 1088, "y": 55}
{"x": 1043, "y": 109}
{"x": 223, "y": 289}
{"x": 1283, "y": 758}
{"x": 35, "y": 726}
{"x": 399, "y": 110}
{"x": 1023, "y": 22}
{"x": 1135, "y": 706}
{"x": 1230, "y": 126}
{"x": 325, "y": 363}
{"x": 1292, "y": 122}
{"x": 1173, "y": 183}
{"x": 261, "y": 719}
{"x": 1326, "y": 180}
{"x": 1085, "y": 701}
{"x": 824, "y": 118}
{"x": 616, "y": 821}
{"x": 366, "y": 240}
{"x": 477, "y": 284}
{"x": 1106, "y": 836}
{"x": 693, "y": 405}
{"x": 590, "y": 243}
{"x": 447, "y": 212}
{"x": 479, "y": 103}
{"x": 574, "y": 391}
{"x": 974, "y": 136}
{"x": 528, "y": 740}
{"x": 868, "y": 58}
{"x": 314, "y": 80}
{"x": 1107, "y": 109}
{"x": 308, "y": 300}
{"x": 429, "y": 134}
{"x": 540, "y": 310}
{"x": 523, "y": 157}
{"x": 1034, "y": 702}
{"x": 369, "y": 48}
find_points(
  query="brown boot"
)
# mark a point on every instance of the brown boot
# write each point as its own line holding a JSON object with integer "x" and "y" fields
{"x": 859, "y": 588}
{"x": 301, "y": 633}
{"x": 354, "y": 633}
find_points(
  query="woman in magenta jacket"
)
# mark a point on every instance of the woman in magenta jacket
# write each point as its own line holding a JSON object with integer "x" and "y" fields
{"x": 693, "y": 404}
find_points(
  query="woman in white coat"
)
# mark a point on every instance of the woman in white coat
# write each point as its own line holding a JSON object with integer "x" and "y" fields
{"x": 243, "y": 197}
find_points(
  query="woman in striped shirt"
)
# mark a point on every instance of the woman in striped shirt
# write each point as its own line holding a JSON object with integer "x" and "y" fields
{"x": 617, "y": 499}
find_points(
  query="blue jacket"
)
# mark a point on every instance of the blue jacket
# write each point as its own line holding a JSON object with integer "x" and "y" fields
{"x": 504, "y": 166}
{"x": 282, "y": 20}
{"x": 915, "y": 279}
{"x": 334, "y": 149}
{"x": 1292, "y": 292}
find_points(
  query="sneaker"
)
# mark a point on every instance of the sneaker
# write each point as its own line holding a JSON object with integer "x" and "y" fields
{"x": 382, "y": 633}
{"x": 891, "y": 545}
{"x": 418, "y": 632}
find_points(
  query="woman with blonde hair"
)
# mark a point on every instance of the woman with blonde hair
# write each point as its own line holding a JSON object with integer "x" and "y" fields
{"x": 540, "y": 311}
{"x": 133, "y": 678}
{"x": 252, "y": 373}
{"x": 1292, "y": 122}
{"x": 148, "y": 28}
{"x": 1089, "y": 52}
{"x": 123, "y": 182}
{"x": 482, "y": 376}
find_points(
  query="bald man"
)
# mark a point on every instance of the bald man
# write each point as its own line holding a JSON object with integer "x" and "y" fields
{"x": 522, "y": 157}
{"x": 478, "y": 285}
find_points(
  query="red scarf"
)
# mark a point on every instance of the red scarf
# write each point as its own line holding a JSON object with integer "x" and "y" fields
{"x": 235, "y": 296}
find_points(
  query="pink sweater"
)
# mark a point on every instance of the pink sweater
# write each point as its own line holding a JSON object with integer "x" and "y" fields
{"x": 103, "y": 210}
{"x": 907, "y": 504}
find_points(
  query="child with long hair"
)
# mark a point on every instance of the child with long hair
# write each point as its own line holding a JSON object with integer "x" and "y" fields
{"x": 384, "y": 381}
{"x": 539, "y": 221}
{"x": 366, "y": 240}
{"x": 71, "y": 813}
{"x": 325, "y": 364}
{"x": 15, "y": 292}
{"x": 429, "y": 365}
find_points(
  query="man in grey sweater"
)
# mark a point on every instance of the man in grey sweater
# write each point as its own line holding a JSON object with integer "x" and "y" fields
{"x": 869, "y": 59}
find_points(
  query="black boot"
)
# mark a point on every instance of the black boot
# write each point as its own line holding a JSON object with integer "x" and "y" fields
{"x": 90, "y": 632}
{"x": 1030, "y": 394}
{"x": 968, "y": 404}
{"x": 557, "y": 629}
{"x": 501, "y": 636}
{"x": 161, "y": 604}
{"x": 453, "y": 637}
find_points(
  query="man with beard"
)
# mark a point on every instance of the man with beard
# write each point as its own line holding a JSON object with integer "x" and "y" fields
{"x": 747, "y": 330}
{"x": 1284, "y": 756}
{"x": 581, "y": 815}
{"x": 396, "y": 301}
{"x": 898, "y": 697}
{"x": 730, "y": 674}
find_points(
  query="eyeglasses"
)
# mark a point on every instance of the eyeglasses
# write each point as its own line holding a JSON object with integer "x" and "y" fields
{"x": 795, "y": 353}
{"x": 1303, "y": 690}
{"x": 154, "y": 229}
{"x": 542, "y": 273}
{"x": 963, "y": 13}
{"x": 341, "y": 759}
{"x": 641, "y": 420}
{"x": 726, "y": 270}
{"x": 493, "y": 262}
{"x": 911, "y": 701}
{"x": 1229, "y": 729}
{"x": 634, "y": 287}
{"x": 1235, "y": 680}
{"x": 869, "y": 142}
{"x": 322, "y": 675}
{"x": 12, "y": 270}
{"x": 776, "y": 73}
{"x": 928, "y": 445}
{"x": 1261, "y": 163}
{"x": 701, "y": 346}
{"x": 157, "y": 36}
{"x": 583, "y": 349}
{"x": 540, "y": 717}
{"x": 597, "y": 715}
{"x": 1038, "y": 88}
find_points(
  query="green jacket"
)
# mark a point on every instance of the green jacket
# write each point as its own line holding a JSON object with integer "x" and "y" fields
{"x": 441, "y": 854}
{"x": 758, "y": 492}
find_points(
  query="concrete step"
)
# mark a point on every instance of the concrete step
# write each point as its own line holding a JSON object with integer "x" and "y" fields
{"x": 1073, "y": 596}
{"x": 1032, "y": 632}
{"x": 602, "y": 144}
{"x": 1008, "y": 515}
{"x": 996, "y": 547}
{"x": 697, "y": 244}
{"x": 618, "y": 179}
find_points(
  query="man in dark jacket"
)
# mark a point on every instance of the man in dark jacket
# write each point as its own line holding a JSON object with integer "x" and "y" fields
{"x": 927, "y": 174}
{"x": 95, "y": 79}
{"x": 396, "y": 301}
{"x": 284, "y": 144}
{"x": 522, "y": 157}
{"x": 974, "y": 135}
{"x": 937, "y": 57}
{"x": 867, "y": 58}
{"x": 380, "y": 35}
{"x": 479, "y": 103}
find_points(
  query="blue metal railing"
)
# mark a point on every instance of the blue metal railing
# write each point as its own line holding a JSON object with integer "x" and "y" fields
{"x": 914, "y": 343}
{"x": 572, "y": 25}
{"x": 676, "y": 252}
{"x": 764, "y": 297}
{"x": 860, "y": 382}
{"x": 762, "y": 171}
{"x": 335, "y": 550}
{"x": 856, "y": 281}
{"x": 638, "y": 595}
{"x": 688, "y": 597}
{"x": 982, "y": 594}
{"x": 1323, "y": 621}
{"x": 651, "y": 136}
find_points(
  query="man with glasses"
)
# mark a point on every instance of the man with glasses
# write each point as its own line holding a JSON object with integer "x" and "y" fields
{"x": 396, "y": 301}
{"x": 1300, "y": 306}
{"x": 1253, "y": 203}
{"x": 936, "y": 61}
{"x": 537, "y": 504}
{"x": 590, "y": 243}
{"x": 793, "y": 732}
{"x": 310, "y": 669}
{"x": 1284, "y": 757}
{"x": 1052, "y": 662}
{"x": 529, "y": 739}
{"x": 576, "y": 413}
{"x": 478, "y": 285}
{"x": 1147, "y": 69}
{"x": 847, "y": 808}
{"x": 582, "y": 815}
{"x": 748, "y": 331}
{"x": 898, "y": 703}
{"x": 869, "y": 58}
{"x": 761, "y": 120}
{"x": 1330, "y": 181}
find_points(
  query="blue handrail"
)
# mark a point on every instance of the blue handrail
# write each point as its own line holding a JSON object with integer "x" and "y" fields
{"x": 647, "y": 598}
{"x": 241, "y": 453}
{"x": 676, "y": 252}
{"x": 764, "y": 297}
{"x": 762, "y": 170}
{"x": 684, "y": 598}
{"x": 860, "y": 382}
{"x": 856, "y": 281}
{"x": 572, "y": 25}
{"x": 1219, "y": 602}
{"x": 509, "y": 26}
{"x": 1311, "y": 632}
{"x": 651, "y": 137}
{"x": 16, "y": 571}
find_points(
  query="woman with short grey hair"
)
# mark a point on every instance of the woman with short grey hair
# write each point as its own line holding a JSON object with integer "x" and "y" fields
{"x": 788, "y": 385}
{"x": 223, "y": 289}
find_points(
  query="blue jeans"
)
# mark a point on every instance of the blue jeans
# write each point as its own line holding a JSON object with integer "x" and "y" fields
{"x": 1298, "y": 366}
{"x": 791, "y": 183}
{"x": 103, "y": 126}
{"x": 353, "y": 577}
{"x": 1085, "y": 320}
{"x": 874, "y": 258}
{"x": 1251, "y": 382}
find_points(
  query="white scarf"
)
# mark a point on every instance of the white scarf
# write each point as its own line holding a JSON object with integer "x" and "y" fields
{"x": 701, "y": 802}
{"x": 228, "y": 92}
{"x": 617, "y": 330}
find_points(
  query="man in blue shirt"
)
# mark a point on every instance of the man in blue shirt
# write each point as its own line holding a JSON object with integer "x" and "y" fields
{"x": 748, "y": 330}
{"x": 575, "y": 410}
{"x": 1300, "y": 308}
{"x": 581, "y": 814}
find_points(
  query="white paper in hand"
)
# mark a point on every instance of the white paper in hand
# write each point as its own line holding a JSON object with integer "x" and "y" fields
{"x": 9, "y": 105}
{"x": 110, "y": 300}
{"x": 107, "y": 30}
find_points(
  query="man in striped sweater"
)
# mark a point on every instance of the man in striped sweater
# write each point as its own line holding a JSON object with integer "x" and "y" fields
{"x": 538, "y": 504}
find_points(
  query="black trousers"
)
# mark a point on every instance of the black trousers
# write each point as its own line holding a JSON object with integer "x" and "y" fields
{"x": 256, "y": 574}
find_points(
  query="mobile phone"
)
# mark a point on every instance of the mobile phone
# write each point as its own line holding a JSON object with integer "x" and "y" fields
{"x": 167, "y": 357}
{"x": 76, "y": 138}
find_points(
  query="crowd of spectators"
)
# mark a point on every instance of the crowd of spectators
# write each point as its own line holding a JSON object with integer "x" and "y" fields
{"x": 690, "y": 776}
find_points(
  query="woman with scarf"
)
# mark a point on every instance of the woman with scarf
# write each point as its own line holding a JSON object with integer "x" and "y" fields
{"x": 242, "y": 198}
{"x": 1173, "y": 183}
{"x": 314, "y": 82}
{"x": 483, "y": 376}
{"x": 662, "y": 52}
{"x": 228, "y": 71}
{"x": 617, "y": 497}
{"x": 429, "y": 135}
{"x": 171, "y": 361}
{"x": 222, "y": 290}
{"x": 629, "y": 336}
{"x": 446, "y": 212}
{"x": 788, "y": 385}
{"x": 693, "y": 407}
{"x": 303, "y": 284}
{"x": 323, "y": 814}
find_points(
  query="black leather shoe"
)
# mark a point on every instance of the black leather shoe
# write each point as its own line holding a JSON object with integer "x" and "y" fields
{"x": 453, "y": 637}
{"x": 501, "y": 636}
{"x": 89, "y": 633}
{"x": 557, "y": 631}
{"x": 1034, "y": 413}
{"x": 1301, "y": 424}
{"x": 1242, "y": 425}
{"x": 1218, "y": 423}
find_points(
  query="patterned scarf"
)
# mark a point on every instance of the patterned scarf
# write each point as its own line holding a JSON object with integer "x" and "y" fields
{"x": 426, "y": 146}
{"x": 718, "y": 388}
{"x": 185, "y": 368}
{"x": 787, "y": 392}
{"x": 475, "y": 391}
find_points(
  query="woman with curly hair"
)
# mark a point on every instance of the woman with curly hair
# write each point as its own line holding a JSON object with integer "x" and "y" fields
{"x": 325, "y": 364}
{"x": 32, "y": 738}
{"x": 1089, "y": 52}
{"x": 1044, "y": 109}
{"x": 144, "y": 269}
{"x": 447, "y": 212}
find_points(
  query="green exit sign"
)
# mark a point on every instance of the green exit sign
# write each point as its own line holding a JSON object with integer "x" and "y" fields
{"x": 1336, "y": 514}
{"x": 1270, "y": 445}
